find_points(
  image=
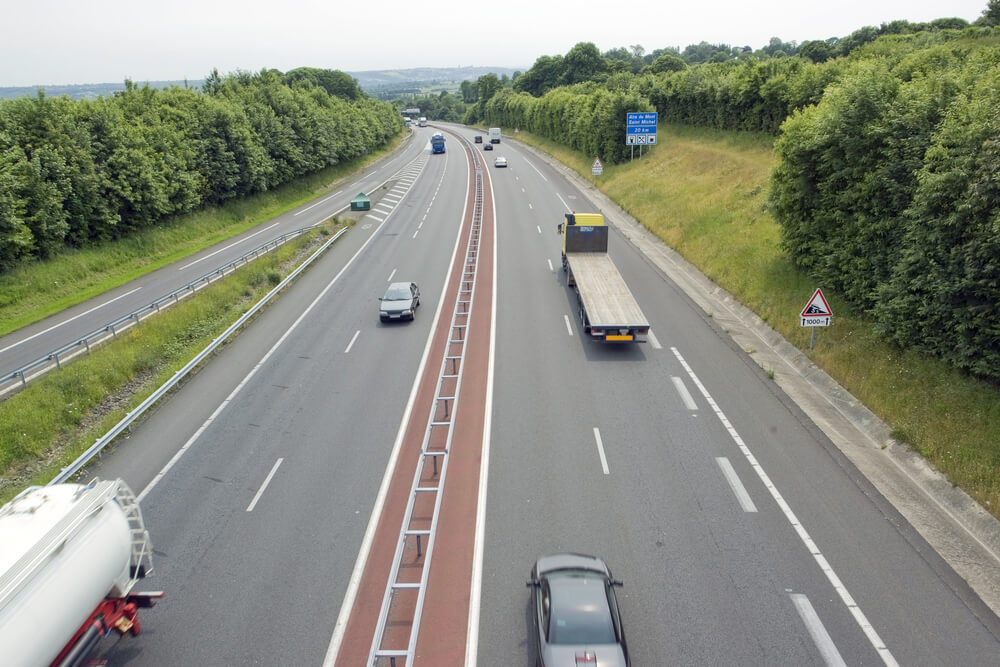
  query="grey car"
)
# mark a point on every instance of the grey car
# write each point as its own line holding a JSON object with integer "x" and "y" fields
{"x": 399, "y": 302}
{"x": 576, "y": 613}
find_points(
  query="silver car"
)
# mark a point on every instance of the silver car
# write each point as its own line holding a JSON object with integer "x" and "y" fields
{"x": 399, "y": 302}
{"x": 576, "y": 613}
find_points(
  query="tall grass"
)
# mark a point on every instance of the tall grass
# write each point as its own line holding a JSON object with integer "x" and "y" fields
{"x": 704, "y": 193}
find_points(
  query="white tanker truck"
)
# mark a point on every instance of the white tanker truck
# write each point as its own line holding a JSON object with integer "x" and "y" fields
{"x": 69, "y": 557}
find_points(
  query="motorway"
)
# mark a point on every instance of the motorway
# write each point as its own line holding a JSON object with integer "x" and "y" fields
{"x": 742, "y": 534}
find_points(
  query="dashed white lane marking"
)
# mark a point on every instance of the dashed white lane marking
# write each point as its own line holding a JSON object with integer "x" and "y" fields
{"x": 569, "y": 327}
{"x": 820, "y": 637}
{"x": 225, "y": 248}
{"x": 685, "y": 394}
{"x": 600, "y": 450}
{"x": 325, "y": 199}
{"x": 838, "y": 585}
{"x": 353, "y": 338}
{"x": 260, "y": 491}
{"x": 735, "y": 484}
{"x": 654, "y": 341}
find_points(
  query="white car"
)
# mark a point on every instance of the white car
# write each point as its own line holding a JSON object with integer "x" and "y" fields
{"x": 500, "y": 162}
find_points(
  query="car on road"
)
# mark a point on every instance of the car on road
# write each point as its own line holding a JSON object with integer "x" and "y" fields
{"x": 575, "y": 612}
{"x": 478, "y": 139}
{"x": 399, "y": 302}
{"x": 500, "y": 162}
{"x": 487, "y": 147}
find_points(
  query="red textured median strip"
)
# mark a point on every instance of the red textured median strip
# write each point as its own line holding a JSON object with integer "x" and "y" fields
{"x": 446, "y": 605}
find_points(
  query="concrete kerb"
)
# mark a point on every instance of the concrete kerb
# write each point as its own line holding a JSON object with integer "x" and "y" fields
{"x": 960, "y": 530}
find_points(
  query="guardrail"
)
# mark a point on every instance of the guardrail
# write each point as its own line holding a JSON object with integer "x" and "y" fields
{"x": 67, "y": 473}
{"x": 55, "y": 358}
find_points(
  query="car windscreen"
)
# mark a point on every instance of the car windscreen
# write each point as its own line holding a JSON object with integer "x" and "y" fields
{"x": 397, "y": 294}
{"x": 580, "y": 612}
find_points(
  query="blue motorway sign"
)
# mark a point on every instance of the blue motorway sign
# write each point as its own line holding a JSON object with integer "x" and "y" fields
{"x": 640, "y": 128}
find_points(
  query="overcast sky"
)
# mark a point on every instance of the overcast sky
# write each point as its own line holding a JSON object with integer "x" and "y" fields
{"x": 51, "y": 42}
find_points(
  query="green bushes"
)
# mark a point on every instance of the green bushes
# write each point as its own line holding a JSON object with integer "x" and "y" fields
{"x": 887, "y": 192}
{"x": 75, "y": 174}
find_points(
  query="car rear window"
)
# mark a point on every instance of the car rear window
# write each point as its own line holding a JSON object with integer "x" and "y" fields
{"x": 580, "y": 613}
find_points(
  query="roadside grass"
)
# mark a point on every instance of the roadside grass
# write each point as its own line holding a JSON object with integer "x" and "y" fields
{"x": 704, "y": 193}
{"x": 35, "y": 291}
{"x": 54, "y": 419}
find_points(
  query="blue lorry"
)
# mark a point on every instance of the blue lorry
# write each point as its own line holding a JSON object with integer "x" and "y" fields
{"x": 437, "y": 143}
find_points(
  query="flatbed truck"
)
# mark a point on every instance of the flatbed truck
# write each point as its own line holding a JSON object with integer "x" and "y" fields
{"x": 607, "y": 310}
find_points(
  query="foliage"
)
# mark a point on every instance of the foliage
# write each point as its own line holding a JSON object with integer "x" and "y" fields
{"x": 887, "y": 192}
{"x": 78, "y": 173}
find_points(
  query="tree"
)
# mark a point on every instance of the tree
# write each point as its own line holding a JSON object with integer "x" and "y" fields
{"x": 668, "y": 62}
{"x": 469, "y": 92}
{"x": 583, "y": 63}
{"x": 991, "y": 15}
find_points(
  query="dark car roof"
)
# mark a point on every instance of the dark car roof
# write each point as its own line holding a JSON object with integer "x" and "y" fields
{"x": 571, "y": 560}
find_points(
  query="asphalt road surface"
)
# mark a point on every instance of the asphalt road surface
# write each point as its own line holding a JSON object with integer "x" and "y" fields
{"x": 742, "y": 534}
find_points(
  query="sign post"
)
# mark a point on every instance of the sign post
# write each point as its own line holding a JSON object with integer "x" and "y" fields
{"x": 817, "y": 313}
{"x": 597, "y": 168}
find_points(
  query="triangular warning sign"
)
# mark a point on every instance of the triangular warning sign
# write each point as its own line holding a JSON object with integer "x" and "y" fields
{"x": 817, "y": 306}
{"x": 597, "y": 163}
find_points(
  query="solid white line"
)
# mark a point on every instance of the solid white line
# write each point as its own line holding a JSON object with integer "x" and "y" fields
{"x": 685, "y": 394}
{"x": 475, "y": 593}
{"x": 820, "y": 637}
{"x": 353, "y": 338}
{"x": 263, "y": 360}
{"x": 317, "y": 203}
{"x": 235, "y": 243}
{"x": 564, "y": 203}
{"x": 569, "y": 327}
{"x": 845, "y": 596}
{"x": 600, "y": 450}
{"x": 56, "y": 326}
{"x": 551, "y": 268}
{"x": 536, "y": 169}
{"x": 389, "y": 279}
{"x": 354, "y": 583}
{"x": 263, "y": 486}
{"x": 654, "y": 341}
{"x": 735, "y": 484}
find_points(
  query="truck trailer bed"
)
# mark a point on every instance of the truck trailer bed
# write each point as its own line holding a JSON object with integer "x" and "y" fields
{"x": 605, "y": 296}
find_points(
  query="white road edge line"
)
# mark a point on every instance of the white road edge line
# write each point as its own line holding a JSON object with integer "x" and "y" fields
{"x": 479, "y": 546}
{"x": 347, "y": 605}
{"x": 225, "y": 248}
{"x": 353, "y": 338}
{"x": 267, "y": 480}
{"x": 845, "y": 596}
{"x": 56, "y": 326}
{"x": 600, "y": 450}
{"x": 564, "y": 203}
{"x": 536, "y": 169}
{"x": 317, "y": 203}
{"x": 569, "y": 327}
{"x": 685, "y": 394}
{"x": 735, "y": 484}
{"x": 820, "y": 637}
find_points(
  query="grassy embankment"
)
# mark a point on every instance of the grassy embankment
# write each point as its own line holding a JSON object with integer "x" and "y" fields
{"x": 56, "y": 418}
{"x": 704, "y": 193}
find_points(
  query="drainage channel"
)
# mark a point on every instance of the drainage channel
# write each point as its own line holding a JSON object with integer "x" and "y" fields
{"x": 403, "y": 600}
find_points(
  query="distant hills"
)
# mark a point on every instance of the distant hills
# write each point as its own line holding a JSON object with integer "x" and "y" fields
{"x": 383, "y": 84}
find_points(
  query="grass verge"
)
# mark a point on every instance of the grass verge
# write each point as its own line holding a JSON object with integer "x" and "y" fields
{"x": 54, "y": 419}
{"x": 35, "y": 291}
{"x": 704, "y": 193}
